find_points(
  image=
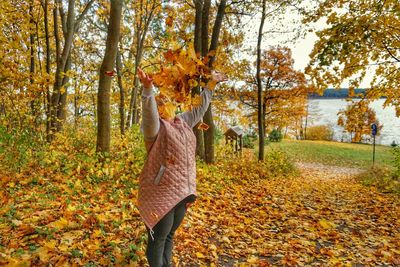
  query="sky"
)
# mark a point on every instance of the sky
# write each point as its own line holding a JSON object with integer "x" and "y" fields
{"x": 301, "y": 47}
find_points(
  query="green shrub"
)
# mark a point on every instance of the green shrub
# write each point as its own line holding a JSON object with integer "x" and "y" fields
{"x": 320, "y": 132}
{"x": 19, "y": 147}
{"x": 248, "y": 141}
{"x": 218, "y": 135}
{"x": 396, "y": 162}
{"x": 278, "y": 163}
{"x": 275, "y": 136}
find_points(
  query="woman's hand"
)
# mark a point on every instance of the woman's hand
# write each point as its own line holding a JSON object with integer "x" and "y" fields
{"x": 145, "y": 79}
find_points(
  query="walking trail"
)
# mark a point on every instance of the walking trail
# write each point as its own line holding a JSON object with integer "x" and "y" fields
{"x": 321, "y": 217}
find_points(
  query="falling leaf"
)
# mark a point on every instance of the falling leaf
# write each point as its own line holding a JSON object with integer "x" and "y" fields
{"x": 203, "y": 126}
{"x": 169, "y": 21}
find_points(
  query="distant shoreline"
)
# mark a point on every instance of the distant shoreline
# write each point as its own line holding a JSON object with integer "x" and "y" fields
{"x": 342, "y": 93}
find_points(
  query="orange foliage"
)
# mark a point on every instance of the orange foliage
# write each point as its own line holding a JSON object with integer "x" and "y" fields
{"x": 181, "y": 72}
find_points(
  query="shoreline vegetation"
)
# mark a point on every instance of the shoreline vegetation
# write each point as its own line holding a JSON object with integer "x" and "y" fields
{"x": 332, "y": 93}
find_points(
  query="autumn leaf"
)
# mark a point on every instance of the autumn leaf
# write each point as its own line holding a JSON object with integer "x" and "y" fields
{"x": 200, "y": 255}
{"x": 326, "y": 224}
{"x": 169, "y": 21}
{"x": 203, "y": 126}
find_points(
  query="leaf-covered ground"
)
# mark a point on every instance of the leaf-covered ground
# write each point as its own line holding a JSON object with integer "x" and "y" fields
{"x": 321, "y": 216}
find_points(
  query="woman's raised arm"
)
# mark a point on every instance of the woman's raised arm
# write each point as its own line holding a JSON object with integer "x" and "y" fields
{"x": 150, "y": 118}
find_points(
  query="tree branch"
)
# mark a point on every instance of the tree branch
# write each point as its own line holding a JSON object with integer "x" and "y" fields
{"x": 82, "y": 15}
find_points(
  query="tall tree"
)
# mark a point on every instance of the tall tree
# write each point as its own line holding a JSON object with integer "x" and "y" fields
{"x": 70, "y": 25}
{"x": 45, "y": 7}
{"x": 261, "y": 129}
{"x": 202, "y": 22}
{"x": 198, "y": 49}
{"x": 144, "y": 14}
{"x": 106, "y": 73}
{"x": 32, "y": 68}
{"x": 357, "y": 119}
{"x": 208, "y": 117}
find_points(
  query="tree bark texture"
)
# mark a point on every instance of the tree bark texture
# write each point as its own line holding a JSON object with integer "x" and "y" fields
{"x": 103, "y": 97}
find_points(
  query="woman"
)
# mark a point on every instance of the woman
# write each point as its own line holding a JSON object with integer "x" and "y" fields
{"x": 167, "y": 184}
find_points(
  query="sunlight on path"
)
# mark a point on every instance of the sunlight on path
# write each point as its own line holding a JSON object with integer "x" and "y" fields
{"x": 328, "y": 171}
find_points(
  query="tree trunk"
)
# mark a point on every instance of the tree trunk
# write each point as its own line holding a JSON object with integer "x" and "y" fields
{"x": 34, "y": 104}
{"x": 198, "y": 49}
{"x": 259, "y": 87}
{"x": 70, "y": 26}
{"x": 264, "y": 118}
{"x": 306, "y": 124}
{"x": 132, "y": 102}
{"x": 76, "y": 107}
{"x": 121, "y": 94}
{"x": 61, "y": 64}
{"x": 136, "y": 90}
{"x": 141, "y": 32}
{"x": 45, "y": 6}
{"x": 209, "y": 135}
{"x": 103, "y": 97}
{"x": 61, "y": 112}
{"x": 204, "y": 52}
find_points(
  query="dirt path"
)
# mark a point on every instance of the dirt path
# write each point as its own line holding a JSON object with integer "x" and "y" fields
{"x": 327, "y": 171}
{"x": 324, "y": 217}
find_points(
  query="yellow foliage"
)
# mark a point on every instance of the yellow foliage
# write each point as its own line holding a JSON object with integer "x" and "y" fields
{"x": 180, "y": 73}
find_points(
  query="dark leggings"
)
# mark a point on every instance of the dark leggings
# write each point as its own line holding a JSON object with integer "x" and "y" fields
{"x": 159, "y": 250}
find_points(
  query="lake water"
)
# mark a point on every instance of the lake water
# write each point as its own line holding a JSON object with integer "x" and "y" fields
{"x": 324, "y": 111}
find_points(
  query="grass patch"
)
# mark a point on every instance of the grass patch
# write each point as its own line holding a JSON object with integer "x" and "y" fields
{"x": 381, "y": 178}
{"x": 335, "y": 153}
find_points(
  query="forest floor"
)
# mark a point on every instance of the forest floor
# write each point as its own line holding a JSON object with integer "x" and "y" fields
{"x": 319, "y": 216}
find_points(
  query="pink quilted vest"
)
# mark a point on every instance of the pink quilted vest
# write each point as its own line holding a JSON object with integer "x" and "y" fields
{"x": 169, "y": 173}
